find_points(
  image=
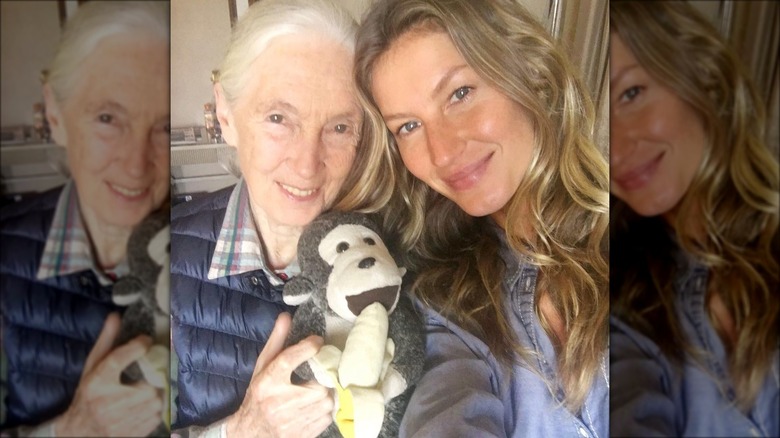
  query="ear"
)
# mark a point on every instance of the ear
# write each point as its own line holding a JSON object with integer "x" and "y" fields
{"x": 225, "y": 116}
{"x": 54, "y": 116}
{"x": 297, "y": 291}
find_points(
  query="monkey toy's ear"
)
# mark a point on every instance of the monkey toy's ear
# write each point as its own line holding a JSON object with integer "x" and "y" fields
{"x": 297, "y": 290}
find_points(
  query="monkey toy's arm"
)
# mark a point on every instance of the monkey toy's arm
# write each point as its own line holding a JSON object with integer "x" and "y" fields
{"x": 308, "y": 320}
{"x": 406, "y": 331}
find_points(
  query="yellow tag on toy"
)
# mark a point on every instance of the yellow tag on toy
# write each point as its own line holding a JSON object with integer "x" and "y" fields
{"x": 345, "y": 416}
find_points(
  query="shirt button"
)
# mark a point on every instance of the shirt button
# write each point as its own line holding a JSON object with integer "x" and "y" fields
{"x": 583, "y": 432}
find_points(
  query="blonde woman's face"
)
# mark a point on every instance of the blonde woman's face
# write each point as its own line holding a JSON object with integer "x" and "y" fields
{"x": 114, "y": 125}
{"x": 456, "y": 133}
{"x": 296, "y": 128}
{"x": 657, "y": 140}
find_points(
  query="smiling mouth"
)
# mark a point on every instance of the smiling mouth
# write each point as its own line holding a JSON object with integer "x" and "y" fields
{"x": 468, "y": 176}
{"x": 298, "y": 193}
{"x": 126, "y": 191}
{"x": 638, "y": 177}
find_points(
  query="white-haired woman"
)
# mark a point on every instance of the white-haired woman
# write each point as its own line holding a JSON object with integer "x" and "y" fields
{"x": 285, "y": 100}
{"x": 106, "y": 96}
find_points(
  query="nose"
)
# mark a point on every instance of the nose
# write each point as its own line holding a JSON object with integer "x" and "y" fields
{"x": 444, "y": 144}
{"x": 305, "y": 156}
{"x": 137, "y": 157}
{"x": 366, "y": 263}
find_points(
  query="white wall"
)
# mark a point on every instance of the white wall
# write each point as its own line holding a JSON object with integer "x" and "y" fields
{"x": 200, "y": 32}
{"x": 29, "y": 35}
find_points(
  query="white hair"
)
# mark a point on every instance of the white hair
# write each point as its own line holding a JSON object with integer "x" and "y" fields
{"x": 270, "y": 19}
{"x": 93, "y": 22}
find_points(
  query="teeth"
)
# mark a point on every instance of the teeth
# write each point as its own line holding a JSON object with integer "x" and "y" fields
{"x": 296, "y": 191}
{"x": 127, "y": 192}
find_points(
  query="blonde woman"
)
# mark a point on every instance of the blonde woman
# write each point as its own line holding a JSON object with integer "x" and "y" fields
{"x": 483, "y": 131}
{"x": 694, "y": 273}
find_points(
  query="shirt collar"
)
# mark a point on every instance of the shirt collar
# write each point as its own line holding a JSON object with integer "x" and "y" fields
{"x": 68, "y": 248}
{"x": 239, "y": 248}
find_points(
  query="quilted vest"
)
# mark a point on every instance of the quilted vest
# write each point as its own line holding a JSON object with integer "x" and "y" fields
{"x": 48, "y": 326}
{"x": 218, "y": 326}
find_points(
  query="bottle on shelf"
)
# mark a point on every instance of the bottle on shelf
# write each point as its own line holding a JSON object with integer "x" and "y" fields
{"x": 40, "y": 124}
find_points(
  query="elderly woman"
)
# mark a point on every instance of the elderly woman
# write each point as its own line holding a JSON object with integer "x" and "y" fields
{"x": 484, "y": 132}
{"x": 107, "y": 103}
{"x": 694, "y": 333}
{"x": 285, "y": 100}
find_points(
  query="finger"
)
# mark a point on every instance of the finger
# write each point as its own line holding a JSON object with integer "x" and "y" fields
{"x": 116, "y": 361}
{"x": 315, "y": 427}
{"x": 275, "y": 343}
{"x": 281, "y": 368}
{"x": 104, "y": 343}
{"x": 287, "y": 414}
{"x": 127, "y": 398}
{"x": 139, "y": 423}
{"x": 150, "y": 407}
{"x": 288, "y": 400}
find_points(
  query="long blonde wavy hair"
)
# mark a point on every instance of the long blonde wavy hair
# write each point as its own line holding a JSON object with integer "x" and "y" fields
{"x": 735, "y": 193}
{"x": 557, "y": 217}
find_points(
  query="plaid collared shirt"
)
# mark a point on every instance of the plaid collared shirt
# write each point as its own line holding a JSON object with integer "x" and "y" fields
{"x": 68, "y": 249}
{"x": 239, "y": 247}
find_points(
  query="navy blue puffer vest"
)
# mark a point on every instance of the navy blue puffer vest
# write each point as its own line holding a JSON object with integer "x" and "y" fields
{"x": 218, "y": 326}
{"x": 49, "y": 326}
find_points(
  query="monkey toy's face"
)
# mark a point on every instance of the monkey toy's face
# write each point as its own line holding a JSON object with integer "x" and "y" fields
{"x": 362, "y": 271}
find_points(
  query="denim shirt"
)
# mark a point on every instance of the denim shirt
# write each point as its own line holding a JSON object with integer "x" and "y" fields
{"x": 652, "y": 397}
{"x": 466, "y": 393}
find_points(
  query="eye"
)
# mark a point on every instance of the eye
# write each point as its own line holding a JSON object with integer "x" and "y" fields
{"x": 408, "y": 127}
{"x": 369, "y": 241}
{"x": 460, "y": 94}
{"x": 276, "y": 118}
{"x": 631, "y": 93}
{"x": 341, "y": 128}
{"x": 105, "y": 118}
{"x": 341, "y": 247}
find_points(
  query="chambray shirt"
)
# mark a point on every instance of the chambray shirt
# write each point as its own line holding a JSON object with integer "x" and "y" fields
{"x": 466, "y": 393}
{"x": 650, "y": 397}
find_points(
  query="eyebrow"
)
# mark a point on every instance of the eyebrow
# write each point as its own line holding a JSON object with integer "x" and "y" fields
{"x": 278, "y": 103}
{"x": 443, "y": 81}
{"x": 621, "y": 73}
{"x": 107, "y": 105}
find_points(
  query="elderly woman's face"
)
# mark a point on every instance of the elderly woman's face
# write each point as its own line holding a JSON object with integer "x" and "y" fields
{"x": 296, "y": 128}
{"x": 455, "y": 132}
{"x": 657, "y": 140}
{"x": 115, "y": 128}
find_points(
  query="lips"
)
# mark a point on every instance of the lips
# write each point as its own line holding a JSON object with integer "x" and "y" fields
{"x": 128, "y": 192}
{"x": 298, "y": 193}
{"x": 468, "y": 176}
{"x": 639, "y": 176}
